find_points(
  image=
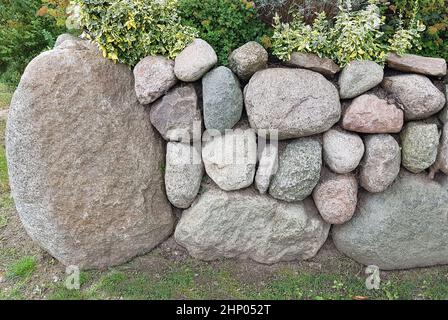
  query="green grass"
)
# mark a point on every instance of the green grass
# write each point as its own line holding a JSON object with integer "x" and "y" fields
{"x": 5, "y": 96}
{"x": 23, "y": 268}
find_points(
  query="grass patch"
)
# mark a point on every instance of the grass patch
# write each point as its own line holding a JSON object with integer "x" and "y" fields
{"x": 5, "y": 96}
{"x": 23, "y": 268}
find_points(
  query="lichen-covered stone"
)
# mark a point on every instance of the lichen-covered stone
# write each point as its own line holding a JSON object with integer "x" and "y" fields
{"x": 300, "y": 162}
{"x": 419, "y": 143}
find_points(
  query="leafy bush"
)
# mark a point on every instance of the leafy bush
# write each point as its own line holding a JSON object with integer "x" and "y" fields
{"x": 129, "y": 30}
{"x": 23, "y": 35}
{"x": 225, "y": 24}
{"x": 433, "y": 13}
{"x": 353, "y": 35}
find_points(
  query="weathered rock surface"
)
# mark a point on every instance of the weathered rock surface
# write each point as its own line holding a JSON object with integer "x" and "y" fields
{"x": 230, "y": 159}
{"x": 64, "y": 37}
{"x": 300, "y": 162}
{"x": 267, "y": 167}
{"x": 244, "y": 224}
{"x": 295, "y": 102}
{"x": 84, "y": 161}
{"x": 183, "y": 173}
{"x": 419, "y": 143}
{"x": 222, "y": 98}
{"x": 416, "y": 94}
{"x": 443, "y": 115}
{"x": 370, "y": 114}
{"x": 359, "y": 77}
{"x": 313, "y": 62}
{"x": 177, "y": 116}
{"x": 248, "y": 59}
{"x": 442, "y": 153}
{"x": 342, "y": 150}
{"x": 411, "y": 63}
{"x": 336, "y": 196}
{"x": 381, "y": 163}
{"x": 194, "y": 61}
{"x": 403, "y": 227}
{"x": 154, "y": 76}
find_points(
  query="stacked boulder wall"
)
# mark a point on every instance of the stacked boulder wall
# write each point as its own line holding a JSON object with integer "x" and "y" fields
{"x": 84, "y": 161}
{"x": 246, "y": 224}
{"x": 404, "y": 227}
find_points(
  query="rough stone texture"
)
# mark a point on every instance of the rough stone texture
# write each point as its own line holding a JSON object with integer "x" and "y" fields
{"x": 359, "y": 77}
{"x": 443, "y": 115}
{"x": 267, "y": 167}
{"x": 411, "y": 63}
{"x": 84, "y": 161}
{"x": 248, "y": 59}
{"x": 177, "y": 116}
{"x": 194, "y": 61}
{"x": 416, "y": 94}
{"x": 230, "y": 159}
{"x": 295, "y": 102}
{"x": 154, "y": 76}
{"x": 244, "y": 224}
{"x": 370, "y": 114}
{"x": 403, "y": 227}
{"x": 335, "y": 197}
{"x": 300, "y": 161}
{"x": 313, "y": 62}
{"x": 183, "y": 173}
{"x": 419, "y": 142}
{"x": 442, "y": 154}
{"x": 381, "y": 163}
{"x": 222, "y": 99}
{"x": 64, "y": 37}
{"x": 342, "y": 150}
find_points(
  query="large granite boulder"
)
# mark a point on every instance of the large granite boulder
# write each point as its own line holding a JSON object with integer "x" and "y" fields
{"x": 295, "y": 102}
{"x": 404, "y": 227}
{"x": 84, "y": 161}
{"x": 246, "y": 224}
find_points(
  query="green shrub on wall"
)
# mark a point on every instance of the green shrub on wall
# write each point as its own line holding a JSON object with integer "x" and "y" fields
{"x": 351, "y": 35}
{"x": 24, "y": 33}
{"x": 434, "y": 14}
{"x": 129, "y": 30}
{"x": 224, "y": 24}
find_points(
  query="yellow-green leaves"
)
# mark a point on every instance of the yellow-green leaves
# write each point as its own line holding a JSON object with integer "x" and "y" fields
{"x": 129, "y": 30}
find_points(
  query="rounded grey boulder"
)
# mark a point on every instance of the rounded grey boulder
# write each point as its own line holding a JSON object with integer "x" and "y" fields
{"x": 248, "y": 59}
{"x": 84, "y": 161}
{"x": 419, "y": 143}
{"x": 294, "y": 102}
{"x": 298, "y": 171}
{"x": 222, "y": 99}
{"x": 403, "y": 227}
{"x": 245, "y": 224}
{"x": 359, "y": 77}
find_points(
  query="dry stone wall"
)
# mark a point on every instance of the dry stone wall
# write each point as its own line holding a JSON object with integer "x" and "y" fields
{"x": 263, "y": 159}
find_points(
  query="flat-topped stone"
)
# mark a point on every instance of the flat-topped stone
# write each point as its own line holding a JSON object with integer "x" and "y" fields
{"x": 412, "y": 63}
{"x": 313, "y": 62}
